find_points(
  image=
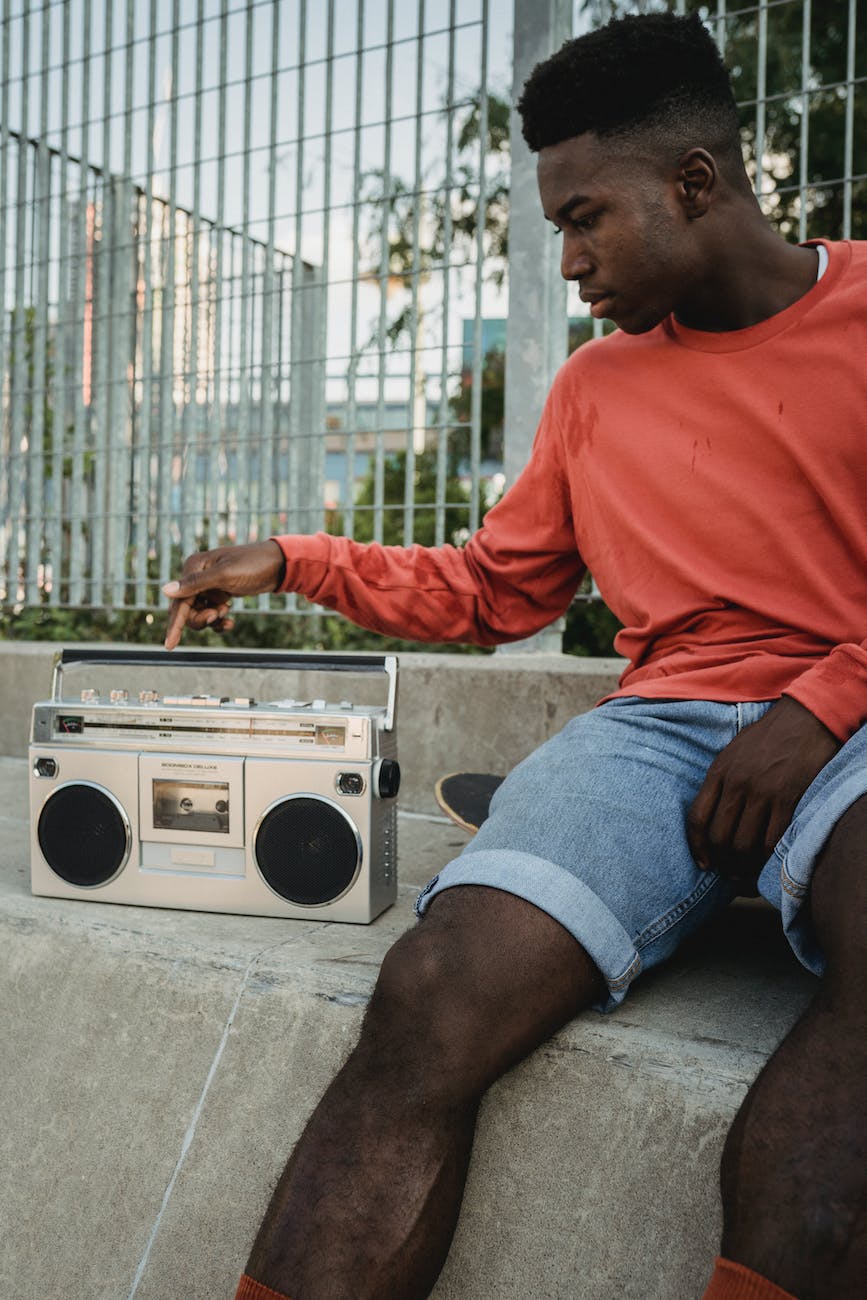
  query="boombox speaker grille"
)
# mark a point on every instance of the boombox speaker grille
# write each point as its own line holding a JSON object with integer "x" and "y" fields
{"x": 83, "y": 834}
{"x": 307, "y": 850}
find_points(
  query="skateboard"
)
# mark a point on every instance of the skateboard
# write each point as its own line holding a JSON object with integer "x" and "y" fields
{"x": 466, "y": 797}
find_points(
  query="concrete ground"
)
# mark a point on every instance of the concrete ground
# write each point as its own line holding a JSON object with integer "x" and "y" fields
{"x": 158, "y": 1066}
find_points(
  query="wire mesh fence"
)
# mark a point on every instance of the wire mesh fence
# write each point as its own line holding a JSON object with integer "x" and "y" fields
{"x": 254, "y": 263}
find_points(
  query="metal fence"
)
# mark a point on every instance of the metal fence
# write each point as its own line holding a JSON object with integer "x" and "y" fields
{"x": 256, "y": 258}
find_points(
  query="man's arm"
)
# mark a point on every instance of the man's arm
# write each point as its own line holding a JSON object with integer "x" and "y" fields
{"x": 515, "y": 575}
{"x": 752, "y": 788}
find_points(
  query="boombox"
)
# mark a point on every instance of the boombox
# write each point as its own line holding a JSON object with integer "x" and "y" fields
{"x": 218, "y": 803}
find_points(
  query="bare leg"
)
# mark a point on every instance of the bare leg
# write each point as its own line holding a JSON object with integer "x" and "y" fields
{"x": 368, "y": 1203}
{"x": 794, "y": 1171}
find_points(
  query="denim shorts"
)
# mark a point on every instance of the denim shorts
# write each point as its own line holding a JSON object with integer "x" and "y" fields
{"x": 591, "y": 828}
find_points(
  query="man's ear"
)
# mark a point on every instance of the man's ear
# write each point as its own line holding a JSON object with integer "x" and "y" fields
{"x": 697, "y": 177}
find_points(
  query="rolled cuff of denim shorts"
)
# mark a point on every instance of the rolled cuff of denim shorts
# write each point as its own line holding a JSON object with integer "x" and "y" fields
{"x": 785, "y": 882}
{"x": 557, "y": 892}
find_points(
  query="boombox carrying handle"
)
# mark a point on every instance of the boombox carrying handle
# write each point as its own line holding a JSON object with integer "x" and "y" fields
{"x": 143, "y": 656}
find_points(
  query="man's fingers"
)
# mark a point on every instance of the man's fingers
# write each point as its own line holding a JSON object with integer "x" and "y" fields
{"x": 699, "y": 818}
{"x": 179, "y": 614}
{"x": 207, "y": 609}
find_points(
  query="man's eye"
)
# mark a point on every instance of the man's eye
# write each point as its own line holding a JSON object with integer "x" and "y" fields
{"x": 586, "y": 223}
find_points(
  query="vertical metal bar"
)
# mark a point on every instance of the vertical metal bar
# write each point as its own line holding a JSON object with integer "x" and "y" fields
{"x": 443, "y": 429}
{"x": 385, "y": 257}
{"x": 63, "y": 388}
{"x": 21, "y": 341}
{"x": 80, "y": 564}
{"x": 417, "y": 384}
{"x": 268, "y": 390}
{"x": 195, "y": 494}
{"x": 321, "y": 291}
{"x": 228, "y": 288}
{"x": 168, "y": 522}
{"x": 120, "y": 512}
{"x": 6, "y": 438}
{"x": 298, "y": 377}
{"x": 481, "y": 216}
{"x": 352, "y": 370}
{"x": 247, "y": 476}
{"x": 721, "y": 33}
{"x": 804, "y": 143}
{"x": 123, "y": 515}
{"x": 104, "y": 352}
{"x": 849, "y": 139}
{"x": 216, "y": 415}
{"x": 761, "y": 94}
{"x": 149, "y": 503}
{"x": 37, "y": 497}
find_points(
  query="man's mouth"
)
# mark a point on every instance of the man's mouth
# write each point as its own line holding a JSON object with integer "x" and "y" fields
{"x": 597, "y": 301}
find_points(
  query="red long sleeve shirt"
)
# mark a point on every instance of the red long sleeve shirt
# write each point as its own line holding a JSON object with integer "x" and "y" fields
{"x": 715, "y": 485}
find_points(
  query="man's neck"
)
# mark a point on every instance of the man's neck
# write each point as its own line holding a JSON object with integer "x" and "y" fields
{"x": 757, "y": 276}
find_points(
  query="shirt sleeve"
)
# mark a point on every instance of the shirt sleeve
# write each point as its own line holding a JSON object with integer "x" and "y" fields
{"x": 835, "y": 689}
{"x": 515, "y": 575}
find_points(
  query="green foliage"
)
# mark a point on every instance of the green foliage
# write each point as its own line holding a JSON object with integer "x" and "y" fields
{"x": 424, "y": 496}
{"x": 590, "y": 629}
{"x": 492, "y": 409}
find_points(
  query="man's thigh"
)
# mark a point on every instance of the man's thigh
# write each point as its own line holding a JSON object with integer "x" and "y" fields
{"x": 591, "y": 829}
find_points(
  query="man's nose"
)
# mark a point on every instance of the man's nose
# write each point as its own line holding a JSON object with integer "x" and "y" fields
{"x": 575, "y": 262}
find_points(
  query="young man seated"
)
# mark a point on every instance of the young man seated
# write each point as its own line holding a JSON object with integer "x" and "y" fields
{"x": 706, "y": 462}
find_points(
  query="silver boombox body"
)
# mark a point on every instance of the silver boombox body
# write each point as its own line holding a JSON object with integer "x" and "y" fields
{"x": 218, "y": 804}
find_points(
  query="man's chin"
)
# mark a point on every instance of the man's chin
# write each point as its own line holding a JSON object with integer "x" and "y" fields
{"x": 636, "y": 324}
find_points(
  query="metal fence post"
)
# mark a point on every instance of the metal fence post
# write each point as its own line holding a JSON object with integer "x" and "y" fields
{"x": 537, "y": 330}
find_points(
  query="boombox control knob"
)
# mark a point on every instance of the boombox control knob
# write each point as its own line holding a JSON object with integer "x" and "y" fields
{"x": 118, "y": 697}
{"x": 89, "y": 695}
{"x": 388, "y": 778}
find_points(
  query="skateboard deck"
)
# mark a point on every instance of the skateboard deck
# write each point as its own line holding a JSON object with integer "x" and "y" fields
{"x": 466, "y": 797}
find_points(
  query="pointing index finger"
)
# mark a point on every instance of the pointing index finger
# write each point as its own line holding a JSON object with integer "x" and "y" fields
{"x": 179, "y": 612}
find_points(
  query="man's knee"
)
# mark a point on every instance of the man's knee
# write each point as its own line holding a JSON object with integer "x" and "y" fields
{"x": 476, "y": 986}
{"x": 838, "y": 898}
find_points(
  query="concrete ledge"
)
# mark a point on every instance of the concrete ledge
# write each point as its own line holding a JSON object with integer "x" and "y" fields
{"x": 481, "y": 713}
{"x": 158, "y": 1066}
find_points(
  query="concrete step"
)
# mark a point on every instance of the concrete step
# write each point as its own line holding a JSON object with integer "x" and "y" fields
{"x": 158, "y": 1067}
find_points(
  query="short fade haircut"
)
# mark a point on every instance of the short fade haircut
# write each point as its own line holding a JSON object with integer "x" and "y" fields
{"x": 657, "y": 73}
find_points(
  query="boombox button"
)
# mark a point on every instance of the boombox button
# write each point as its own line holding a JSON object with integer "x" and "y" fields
{"x": 45, "y": 767}
{"x": 350, "y": 783}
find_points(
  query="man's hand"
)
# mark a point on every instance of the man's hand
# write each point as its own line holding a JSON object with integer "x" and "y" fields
{"x": 201, "y": 597}
{"x": 751, "y": 790}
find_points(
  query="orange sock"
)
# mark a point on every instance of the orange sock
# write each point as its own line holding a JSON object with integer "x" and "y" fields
{"x": 250, "y": 1290}
{"x": 733, "y": 1281}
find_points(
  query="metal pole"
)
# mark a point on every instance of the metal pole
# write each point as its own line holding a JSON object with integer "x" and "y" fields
{"x": 6, "y": 576}
{"x": 536, "y": 332}
{"x": 537, "y": 329}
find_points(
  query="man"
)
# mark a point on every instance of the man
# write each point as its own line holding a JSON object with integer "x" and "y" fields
{"x": 706, "y": 462}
